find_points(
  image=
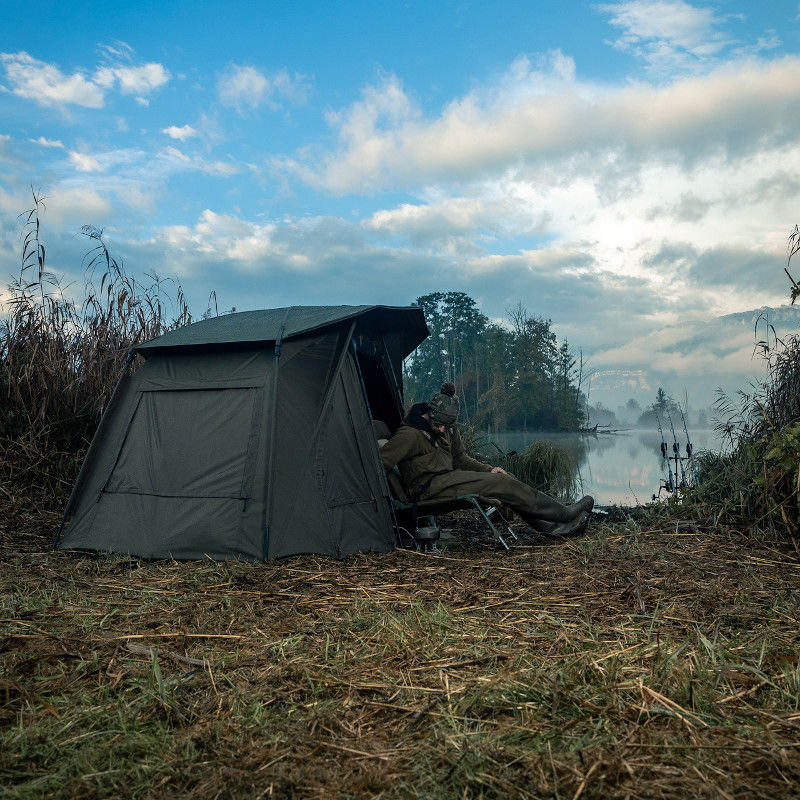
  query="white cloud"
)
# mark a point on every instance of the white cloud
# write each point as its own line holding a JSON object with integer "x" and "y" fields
{"x": 674, "y": 36}
{"x": 182, "y": 134}
{"x": 48, "y": 142}
{"x": 83, "y": 162}
{"x": 47, "y": 85}
{"x": 221, "y": 169}
{"x": 444, "y": 218}
{"x": 76, "y": 205}
{"x": 671, "y": 20}
{"x": 242, "y": 87}
{"x": 668, "y": 34}
{"x": 117, "y": 51}
{"x": 139, "y": 80}
{"x": 460, "y": 226}
{"x": 175, "y": 155}
{"x": 535, "y": 117}
{"x": 220, "y": 237}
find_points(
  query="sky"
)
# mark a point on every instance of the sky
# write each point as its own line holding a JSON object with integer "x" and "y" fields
{"x": 629, "y": 170}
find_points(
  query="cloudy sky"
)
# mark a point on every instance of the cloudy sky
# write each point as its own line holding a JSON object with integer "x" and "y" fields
{"x": 630, "y": 170}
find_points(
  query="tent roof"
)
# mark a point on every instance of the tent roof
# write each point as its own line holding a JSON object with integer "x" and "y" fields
{"x": 265, "y": 325}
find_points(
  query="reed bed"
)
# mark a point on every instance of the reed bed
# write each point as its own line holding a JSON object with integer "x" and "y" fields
{"x": 545, "y": 465}
{"x": 653, "y": 658}
{"x": 61, "y": 349}
{"x": 757, "y": 481}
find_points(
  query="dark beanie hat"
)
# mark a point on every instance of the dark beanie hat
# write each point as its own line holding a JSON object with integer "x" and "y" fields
{"x": 444, "y": 405}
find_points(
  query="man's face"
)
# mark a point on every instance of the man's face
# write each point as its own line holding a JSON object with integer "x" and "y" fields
{"x": 436, "y": 427}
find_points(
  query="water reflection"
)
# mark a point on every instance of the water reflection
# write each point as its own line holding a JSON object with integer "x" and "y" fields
{"x": 625, "y": 468}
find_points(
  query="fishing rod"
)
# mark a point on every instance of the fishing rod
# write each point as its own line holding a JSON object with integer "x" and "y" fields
{"x": 689, "y": 447}
{"x": 675, "y": 446}
{"x": 670, "y": 486}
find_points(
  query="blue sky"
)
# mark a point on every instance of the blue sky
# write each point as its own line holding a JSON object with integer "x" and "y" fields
{"x": 628, "y": 169}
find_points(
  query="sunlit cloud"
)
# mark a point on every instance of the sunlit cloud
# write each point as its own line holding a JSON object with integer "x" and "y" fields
{"x": 668, "y": 34}
{"x": 47, "y": 85}
{"x": 83, "y": 162}
{"x": 539, "y": 114}
{"x": 139, "y": 80}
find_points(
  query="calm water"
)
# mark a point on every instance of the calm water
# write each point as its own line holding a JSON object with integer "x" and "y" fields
{"x": 624, "y": 468}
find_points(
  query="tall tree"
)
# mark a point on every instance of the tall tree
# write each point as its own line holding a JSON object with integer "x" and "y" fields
{"x": 456, "y": 325}
{"x": 508, "y": 375}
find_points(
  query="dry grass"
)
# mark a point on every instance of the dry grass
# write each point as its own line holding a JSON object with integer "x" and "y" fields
{"x": 649, "y": 659}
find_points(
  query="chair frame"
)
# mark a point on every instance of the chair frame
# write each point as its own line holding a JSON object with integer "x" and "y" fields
{"x": 485, "y": 506}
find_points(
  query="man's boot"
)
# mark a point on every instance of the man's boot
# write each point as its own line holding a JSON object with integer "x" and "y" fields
{"x": 574, "y": 528}
{"x": 540, "y": 525}
{"x": 546, "y": 508}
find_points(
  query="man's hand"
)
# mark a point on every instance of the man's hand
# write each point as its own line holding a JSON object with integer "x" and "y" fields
{"x": 500, "y": 470}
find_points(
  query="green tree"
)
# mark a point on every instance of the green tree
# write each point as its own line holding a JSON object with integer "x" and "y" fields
{"x": 514, "y": 375}
{"x": 452, "y": 350}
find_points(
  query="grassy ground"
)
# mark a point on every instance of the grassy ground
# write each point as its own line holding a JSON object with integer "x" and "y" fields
{"x": 648, "y": 659}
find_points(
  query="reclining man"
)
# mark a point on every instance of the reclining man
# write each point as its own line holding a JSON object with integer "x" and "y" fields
{"x": 433, "y": 465}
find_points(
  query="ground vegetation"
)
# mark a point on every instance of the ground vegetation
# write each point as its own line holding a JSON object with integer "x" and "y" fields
{"x": 656, "y": 657}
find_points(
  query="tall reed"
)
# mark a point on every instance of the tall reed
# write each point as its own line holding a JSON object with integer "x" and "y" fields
{"x": 758, "y": 481}
{"x": 61, "y": 353}
{"x": 60, "y": 357}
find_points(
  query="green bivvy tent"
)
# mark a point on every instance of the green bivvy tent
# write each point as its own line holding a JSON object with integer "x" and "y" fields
{"x": 249, "y": 436}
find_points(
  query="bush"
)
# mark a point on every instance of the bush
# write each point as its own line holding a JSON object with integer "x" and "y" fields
{"x": 758, "y": 482}
{"x": 544, "y": 465}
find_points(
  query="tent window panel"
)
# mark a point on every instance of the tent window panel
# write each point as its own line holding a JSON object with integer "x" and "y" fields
{"x": 187, "y": 444}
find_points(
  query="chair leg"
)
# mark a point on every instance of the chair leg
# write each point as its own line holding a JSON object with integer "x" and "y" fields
{"x": 491, "y": 525}
{"x": 506, "y": 523}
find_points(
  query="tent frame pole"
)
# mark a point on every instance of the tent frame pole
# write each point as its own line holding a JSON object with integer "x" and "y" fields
{"x": 354, "y": 348}
{"x": 273, "y": 431}
{"x": 334, "y": 377}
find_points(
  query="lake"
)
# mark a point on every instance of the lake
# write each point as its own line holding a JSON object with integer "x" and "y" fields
{"x": 623, "y": 468}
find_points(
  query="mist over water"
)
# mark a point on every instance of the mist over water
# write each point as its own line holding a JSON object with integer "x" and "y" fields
{"x": 623, "y": 468}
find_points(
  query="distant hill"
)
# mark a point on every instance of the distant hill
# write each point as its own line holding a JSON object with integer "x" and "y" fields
{"x": 786, "y": 317}
{"x": 696, "y": 358}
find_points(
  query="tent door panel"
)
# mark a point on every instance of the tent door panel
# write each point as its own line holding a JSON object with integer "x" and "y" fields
{"x": 190, "y": 443}
{"x": 344, "y": 473}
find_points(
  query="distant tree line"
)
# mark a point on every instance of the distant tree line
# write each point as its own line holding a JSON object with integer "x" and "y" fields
{"x": 517, "y": 375}
{"x": 631, "y": 414}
